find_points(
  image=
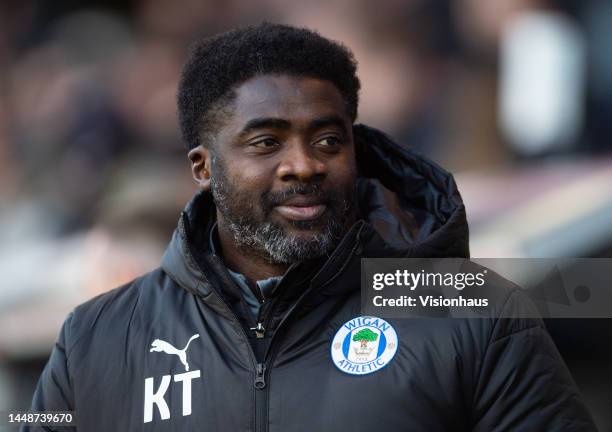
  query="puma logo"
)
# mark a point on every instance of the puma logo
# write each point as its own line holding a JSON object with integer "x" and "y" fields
{"x": 159, "y": 345}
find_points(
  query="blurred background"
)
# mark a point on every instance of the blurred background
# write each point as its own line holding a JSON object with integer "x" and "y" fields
{"x": 513, "y": 96}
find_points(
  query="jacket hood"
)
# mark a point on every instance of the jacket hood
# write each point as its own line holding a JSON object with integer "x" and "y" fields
{"x": 410, "y": 202}
{"x": 409, "y": 207}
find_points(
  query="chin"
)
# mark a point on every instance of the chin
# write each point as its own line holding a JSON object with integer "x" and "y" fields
{"x": 306, "y": 228}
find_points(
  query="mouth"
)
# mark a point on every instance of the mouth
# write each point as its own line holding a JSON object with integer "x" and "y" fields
{"x": 302, "y": 208}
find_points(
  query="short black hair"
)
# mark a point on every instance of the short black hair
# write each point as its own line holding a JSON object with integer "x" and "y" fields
{"x": 215, "y": 66}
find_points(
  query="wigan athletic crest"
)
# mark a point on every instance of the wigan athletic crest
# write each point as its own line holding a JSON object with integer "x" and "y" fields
{"x": 363, "y": 345}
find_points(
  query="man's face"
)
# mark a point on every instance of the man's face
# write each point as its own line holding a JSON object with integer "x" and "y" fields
{"x": 283, "y": 168}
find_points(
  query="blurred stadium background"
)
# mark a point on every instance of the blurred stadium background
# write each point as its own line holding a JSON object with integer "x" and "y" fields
{"x": 514, "y": 96}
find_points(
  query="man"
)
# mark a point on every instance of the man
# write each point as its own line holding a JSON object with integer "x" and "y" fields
{"x": 237, "y": 331}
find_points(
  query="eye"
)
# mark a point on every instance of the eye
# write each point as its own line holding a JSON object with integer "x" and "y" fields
{"x": 264, "y": 144}
{"x": 328, "y": 141}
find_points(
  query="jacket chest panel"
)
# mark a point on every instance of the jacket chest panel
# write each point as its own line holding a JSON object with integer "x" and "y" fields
{"x": 419, "y": 386}
{"x": 199, "y": 384}
{"x": 176, "y": 374}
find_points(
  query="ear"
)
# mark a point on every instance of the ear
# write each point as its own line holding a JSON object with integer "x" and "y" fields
{"x": 200, "y": 166}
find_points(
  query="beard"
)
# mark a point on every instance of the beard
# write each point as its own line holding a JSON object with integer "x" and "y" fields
{"x": 269, "y": 240}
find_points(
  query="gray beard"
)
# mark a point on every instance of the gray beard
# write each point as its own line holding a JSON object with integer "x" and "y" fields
{"x": 272, "y": 243}
{"x": 268, "y": 240}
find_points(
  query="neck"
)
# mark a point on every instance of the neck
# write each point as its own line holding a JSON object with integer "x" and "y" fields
{"x": 251, "y": 265}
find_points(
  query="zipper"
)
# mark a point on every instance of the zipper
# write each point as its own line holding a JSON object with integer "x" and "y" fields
{"x": 259, "y": 330}
{"x": 260, "y": 378}
{"x": 261, "y": 406}
{"x": 259, "y": 413}
{"x": 261, "y": 399}
{"x": 260, "y": 384}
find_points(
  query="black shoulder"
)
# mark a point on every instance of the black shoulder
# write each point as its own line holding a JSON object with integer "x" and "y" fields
{"x": 112, "y": 310}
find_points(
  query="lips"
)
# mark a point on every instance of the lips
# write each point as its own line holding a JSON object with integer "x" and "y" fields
{"x": 302, "y": 207}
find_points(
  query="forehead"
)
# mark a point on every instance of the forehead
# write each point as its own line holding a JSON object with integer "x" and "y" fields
{"x": 285, "y": 96}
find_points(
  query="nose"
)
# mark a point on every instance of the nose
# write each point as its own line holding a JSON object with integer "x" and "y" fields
{"x": 300, "y": 163}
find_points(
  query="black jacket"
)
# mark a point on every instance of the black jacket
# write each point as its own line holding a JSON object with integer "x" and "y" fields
{"x": 181, "y": 335}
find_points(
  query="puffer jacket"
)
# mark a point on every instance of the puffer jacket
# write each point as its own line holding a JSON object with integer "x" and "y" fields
{"x": 176, "y": 349}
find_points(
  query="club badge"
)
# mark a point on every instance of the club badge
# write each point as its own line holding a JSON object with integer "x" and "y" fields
{"x": 363, "y": 345}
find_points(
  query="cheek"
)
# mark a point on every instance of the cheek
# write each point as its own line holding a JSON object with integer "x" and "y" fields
{"x": 343, "y": 170}
{"x": 250, "y": 178}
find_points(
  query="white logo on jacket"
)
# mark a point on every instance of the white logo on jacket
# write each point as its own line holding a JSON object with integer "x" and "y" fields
{"x": 159, "y": 345}
{"x": 154, "y": 397}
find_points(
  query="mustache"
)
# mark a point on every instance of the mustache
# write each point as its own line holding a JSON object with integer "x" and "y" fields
{"x": 333, "y": 198}
{"x": 272, "y": 199}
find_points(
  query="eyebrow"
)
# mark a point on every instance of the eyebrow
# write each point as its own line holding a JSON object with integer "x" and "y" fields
{"x": 278, "y": 123}
{"x": 330, "y": 120}
{"x": 264, "y": 123}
